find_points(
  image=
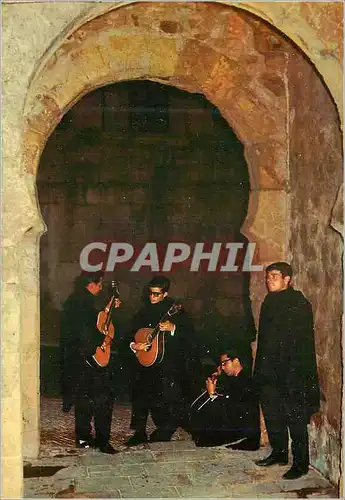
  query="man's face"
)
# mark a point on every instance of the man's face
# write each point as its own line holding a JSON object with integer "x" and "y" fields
{"x": 95, "y": 288}
{"x": 227, "y": 364}
{"x": 156, "y": 294}
{"x": 275, "y": 281}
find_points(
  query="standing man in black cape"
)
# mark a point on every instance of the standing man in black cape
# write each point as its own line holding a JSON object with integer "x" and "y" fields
{"x": 165, "y": 388}
{"x": 89, "y": 388}
{"x": 285, "y": 370}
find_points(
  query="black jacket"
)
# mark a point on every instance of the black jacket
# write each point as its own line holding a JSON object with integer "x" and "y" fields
{"x": 233, "y": 415}
{"x": 286, "y": 356}
{"x": 181, "y": 357}
{"x": 79, "y": 332}
{"x": 79, "y": 338}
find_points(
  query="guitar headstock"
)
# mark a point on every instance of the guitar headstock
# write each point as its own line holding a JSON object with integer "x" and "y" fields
{"x": 115, "y": 289}
{"x": 174, "y": 309}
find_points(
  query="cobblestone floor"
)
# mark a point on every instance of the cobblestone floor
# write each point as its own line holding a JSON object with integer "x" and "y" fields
{"x": 160, "y": 470}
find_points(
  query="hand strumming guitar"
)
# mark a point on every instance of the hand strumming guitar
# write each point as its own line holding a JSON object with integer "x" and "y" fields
{"x": 167, "y": 326}
{"x": 139, "y": 346}
{"x": 164, "y": 326}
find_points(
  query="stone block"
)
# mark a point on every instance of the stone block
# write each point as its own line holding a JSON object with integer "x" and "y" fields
{"x": 88, "y": 58}
{"x": 173, "y": 468}
{"x": 11, "y": 467}
{"x": 137, "y": 457}
{"x": 31, "y": 442}
{"x": 34, "y": 142}
{"x": 11, "y": 424}
{"x": 267, "y": 224}
{"x": 203, "y": 491}
{"x": 311, "y": 480}
{"x": 10, "y": 257}
{"x": 43, "y": 113}
{"x": 196, "y": 60}
{"x": 94, "y": 458}
{"x": 223, "y": 80}
{"x": 192, "y": 455}
{"x": 99, "y": 484}
{"x": 148, "y": 492}
{"x": 60, "y": 83}
{"x": 223, "y": 478}
{"x": 268, "y": 165}
{"x": 144, "y": 54}
{"x": 126, "y": 470}
{"x": 155, "y": 481}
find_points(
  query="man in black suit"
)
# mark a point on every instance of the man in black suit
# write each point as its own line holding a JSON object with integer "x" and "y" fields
{"x": 228, "y": 411}
{"x": 92, "y": 387}
{"x": 285, "y": 370}
{"x": 164, "y": 388}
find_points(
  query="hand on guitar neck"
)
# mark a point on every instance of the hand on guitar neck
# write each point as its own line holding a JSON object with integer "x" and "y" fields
{"x": 104, "y": 325}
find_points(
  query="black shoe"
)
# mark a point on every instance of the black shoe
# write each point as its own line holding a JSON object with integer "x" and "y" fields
{"x": 67, "y": 406}
{"x": 84, "y": 443}
{"x": 246, "y": 445}
{"x": 295, "y": 472}
{"x": 159, "y": 435}
{"x": 280, "y": 459}
{"x": 137, "y": 438}
{"x": 107, "y": 448}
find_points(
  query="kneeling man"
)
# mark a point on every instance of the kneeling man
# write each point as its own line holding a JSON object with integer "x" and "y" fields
{"x": 228, "y": 411}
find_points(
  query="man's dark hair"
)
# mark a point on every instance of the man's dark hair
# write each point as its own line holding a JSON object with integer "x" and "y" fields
{"x": 160, "y": 281}
{"x": 85, "y": 279}
{"x": 231, "y": 353}
{"x": 283, "y": 267}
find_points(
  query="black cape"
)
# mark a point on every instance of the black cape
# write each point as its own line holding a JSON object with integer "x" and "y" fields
{"x": 286, "y": 356}
{"x": 79, "y": 338}
{"x": 233, "y": 415}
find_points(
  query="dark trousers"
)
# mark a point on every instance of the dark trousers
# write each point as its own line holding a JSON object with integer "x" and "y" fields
{"x": 224, "y": 420}
{"x": 282, "y": 417}
{"x": 94, "y": 399}
{"x": 153, "y": 393}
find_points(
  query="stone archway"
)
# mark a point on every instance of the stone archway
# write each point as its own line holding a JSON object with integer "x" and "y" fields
{"x": 99, "y": 53}
{"x": 234, "y": 59}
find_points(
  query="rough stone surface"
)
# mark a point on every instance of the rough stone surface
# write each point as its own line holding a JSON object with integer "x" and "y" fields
{"x": 176, "y": 469}
{"x": 316, "y": 248}
{"x": 33, "y": 32}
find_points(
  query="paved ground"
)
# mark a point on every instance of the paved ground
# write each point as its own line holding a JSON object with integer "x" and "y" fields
{"x": 161, "y": 470}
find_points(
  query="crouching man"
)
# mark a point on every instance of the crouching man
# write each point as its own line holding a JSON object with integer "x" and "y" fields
{"x": 228, "y": 411}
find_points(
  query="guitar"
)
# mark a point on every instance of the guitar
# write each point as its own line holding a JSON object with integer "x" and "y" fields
{"x": 154, "y": 353}
{"x": 102, "y": 355}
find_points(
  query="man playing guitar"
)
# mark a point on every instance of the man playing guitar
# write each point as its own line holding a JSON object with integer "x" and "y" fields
{"x": 92, "y": 384}
{"x": 162, "y": 386}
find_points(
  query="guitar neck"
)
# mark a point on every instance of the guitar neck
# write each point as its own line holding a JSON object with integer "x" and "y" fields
{"x": 111, "y": 307}
{"x": 156, "y": 330}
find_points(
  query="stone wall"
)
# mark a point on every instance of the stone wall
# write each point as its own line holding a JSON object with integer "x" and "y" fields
{"x": 32, "y": 34}
{"x": 316, "y": 248}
